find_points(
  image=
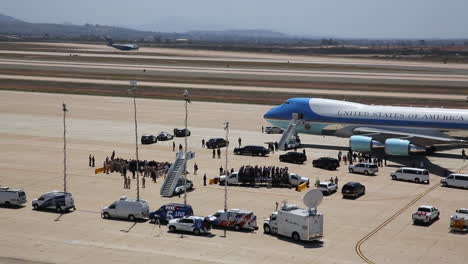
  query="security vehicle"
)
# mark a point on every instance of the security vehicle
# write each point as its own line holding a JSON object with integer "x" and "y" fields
{"x": 273, "y": 130}
{"x": 181, "y": 132}
{"x": 293, "y": 157}
{"x": 163, "y": 136}
{"x": 327, "y": 187}
{"x": 183, "y": 185}
{"x": 353, "y": 189}
{"x": 125, "y": 208}
{"x": 234, "y": 218}
{"x": 9, "y": 196}
{"x": 411, "y": 174}
{"x": 326, "y": 163}
{"x": 194, "y": 224}
{"x": 148, "y": 139}
{"x": 459, "y": 221}
{"x": 425, "y": 214}
{"x": 214, "y": 143}
{"x": 455, "y": 180}
{"x": 294, "y": 222}
{"x": 60, "y": 201}
{"x": 170, "y": 211}
{"x": 252, "y": 150}
{"x": 364, "y": 168}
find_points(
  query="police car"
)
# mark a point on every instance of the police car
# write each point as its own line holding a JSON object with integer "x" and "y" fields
{"x": 170, "y": 211}
{"x": 194, "y": 224}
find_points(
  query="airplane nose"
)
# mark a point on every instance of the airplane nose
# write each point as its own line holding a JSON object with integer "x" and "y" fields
{"x": 270, "y": 114}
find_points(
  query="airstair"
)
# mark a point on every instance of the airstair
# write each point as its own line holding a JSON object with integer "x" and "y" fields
{"x": 175, "y": 172}
{"x": 289, "y": 139}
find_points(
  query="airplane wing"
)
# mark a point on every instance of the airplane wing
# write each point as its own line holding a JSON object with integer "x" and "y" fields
{"x": 416, "y": 138}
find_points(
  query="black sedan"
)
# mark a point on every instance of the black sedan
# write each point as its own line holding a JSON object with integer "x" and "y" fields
{"x": 326, "y": 163}
{"x": 148, "y": 139}
{"x": 181, "y": 132}
{"x": 293, "y": 157}
{"x": 252, "y": 150}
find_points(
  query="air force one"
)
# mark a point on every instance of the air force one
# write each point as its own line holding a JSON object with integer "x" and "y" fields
{"x": 111, "y": 43}
{"x": 398, "y": 131}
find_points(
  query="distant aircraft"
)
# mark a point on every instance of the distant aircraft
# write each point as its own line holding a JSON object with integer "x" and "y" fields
{"x": 397, "y": 131}
{"x": 111, "y": 43}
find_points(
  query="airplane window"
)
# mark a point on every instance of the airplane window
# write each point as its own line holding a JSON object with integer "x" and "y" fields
{"x": 286, "y": 102}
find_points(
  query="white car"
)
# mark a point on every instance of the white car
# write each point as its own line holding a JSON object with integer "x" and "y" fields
{"x": 181, "y": 187}
{"x": 365, "y": 168}
{"x": 125, "y": 208}
{"x": 273, "y": 130}
{"x": 194, "y": 224}
{"x": 327, "y": 187}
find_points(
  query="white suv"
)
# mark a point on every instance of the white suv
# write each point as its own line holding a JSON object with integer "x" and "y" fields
{"x": 327, "y": 187}
{"x": 194, "y": 224}
{"x": 366, "y": 168}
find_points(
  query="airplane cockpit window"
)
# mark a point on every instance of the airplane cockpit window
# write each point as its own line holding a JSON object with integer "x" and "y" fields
{"x": 286, "y": 102}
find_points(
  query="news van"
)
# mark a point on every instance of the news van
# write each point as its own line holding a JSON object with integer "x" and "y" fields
{"x": 170, "y": 211}
{"x": 9, "y": 196}
{"x": 60, "y": 201}
{"x": 125, "y": 208}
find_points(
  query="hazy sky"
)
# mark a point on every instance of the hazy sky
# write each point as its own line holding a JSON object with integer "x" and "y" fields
{"x": 339, "y": 18}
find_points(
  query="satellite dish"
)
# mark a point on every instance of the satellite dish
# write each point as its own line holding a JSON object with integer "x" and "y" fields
{"x": 313, "y": 198}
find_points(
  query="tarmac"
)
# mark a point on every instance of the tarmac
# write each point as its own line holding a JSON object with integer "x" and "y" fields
{"x": 32, "y": 159}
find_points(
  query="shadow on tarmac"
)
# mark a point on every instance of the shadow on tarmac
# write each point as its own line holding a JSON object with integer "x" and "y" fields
{"x": 305, "y": 244}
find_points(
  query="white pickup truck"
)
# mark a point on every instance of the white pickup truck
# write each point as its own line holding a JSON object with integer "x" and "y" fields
{"x": 425, "y": 214}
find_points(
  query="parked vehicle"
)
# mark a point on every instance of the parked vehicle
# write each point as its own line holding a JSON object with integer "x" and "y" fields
{"x": 326, "y": 163}
{"x": 181, "y": 132}
{"x": 294, "y": 222}
{"x": 364, "y": 168}
{"x": 273, "y": 130}
{"x": 291, "y": 179}
{"x": 455, "y": 180}
{"x": 170, "y": 211}
{"x": 125, "y": 208}
{"x": 214, "y": 143}
{"x": 194, "y": 224}
{"x": 411, "y": 174}
{"x": 60, "y": 201}
{"x": 353, "y": 189}
{"x": 425, "y": 214}
{"x": 163, "y": 136}
{"x": 183, "y": 185}
{"x": 234, "y": 218}
{"x": 459, "y": 221}
{"x": 327, "y": 187}
{"x": 9, "y": 196}
{"x": 252, "y": 150}
{"x": 293, "y": 157}
{"x": 148, "y": 139}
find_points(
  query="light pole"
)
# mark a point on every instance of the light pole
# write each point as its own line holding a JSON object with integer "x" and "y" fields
{"x": 133, "y": 91}
{"x": 65, "y": 110}
{"x": 187, "y": 101}
{"x": 226, "y": 127}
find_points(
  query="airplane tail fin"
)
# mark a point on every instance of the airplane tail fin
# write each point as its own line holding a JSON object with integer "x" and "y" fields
{"x": 109, "y": 40}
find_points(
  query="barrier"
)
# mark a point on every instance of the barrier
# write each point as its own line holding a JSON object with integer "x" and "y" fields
{"x": 301, "y": 187}
{"x": 214, "y": 181}
{"x": 99, "y": 170}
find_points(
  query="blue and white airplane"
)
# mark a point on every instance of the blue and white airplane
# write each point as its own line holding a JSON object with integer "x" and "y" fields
{"x": 399, "y": 131}
{"x": 111, "y": 43}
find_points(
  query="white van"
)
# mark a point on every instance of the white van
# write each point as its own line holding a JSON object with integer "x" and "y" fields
{"x": 60, "y": 201}
{"x": 10, "y": 196}
{"x": 125, "y": 208}
{"x": 411, "y": 174}
{"x": 456, "y": 180}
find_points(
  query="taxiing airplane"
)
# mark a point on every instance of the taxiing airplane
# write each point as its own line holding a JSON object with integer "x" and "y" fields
{"x": 111, "y": 43}
{"x": 398, "y": 131}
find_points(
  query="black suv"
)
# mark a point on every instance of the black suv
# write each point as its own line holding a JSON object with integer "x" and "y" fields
{"x": 252, "y": 150}
{"x": 148, "y": 139}
{"x": 293, "y": 157}
{"x": 353, "y": 189}
{"x": 214, "y": 143}
{"x": 326, "y": 163}
{"x": 181, "y": 132}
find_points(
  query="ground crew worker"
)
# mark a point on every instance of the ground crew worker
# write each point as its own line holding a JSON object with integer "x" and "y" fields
{"x": 463, "y": 155}
{"x": 143, "y": 181}
{"x": 129, "y": 182}
{"x": 220, "y": 170}
{"x": 195, "y": 169}
{"x": 113, "y": 155}
{"x": 180, "y": 147}
{"x": 339, "y": 156}
{"x": 303, "y": 151}
{"x": 331, "y": 179}
{"x": 336, "y": 180}
{"x": 203, "y": 143}
{"x": 204, "y": 179}
{"x": 214, "y": 154}
{"x": 219, "y": 153}
{"x": 93, "y": 161}
{"x": 89, "y": 160}
{"x": 240, "y": 142}
{"x": 173, "y": 146}
{"x": 125, "y": 183}
{"x": 262, "y": 129}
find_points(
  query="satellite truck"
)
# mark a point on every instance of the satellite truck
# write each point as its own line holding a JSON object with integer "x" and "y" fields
{"x": 297, "y": 223}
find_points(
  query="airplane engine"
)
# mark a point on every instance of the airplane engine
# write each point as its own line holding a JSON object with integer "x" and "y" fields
{"x": 363, "y": 143}
{"x": 401, "y": 147}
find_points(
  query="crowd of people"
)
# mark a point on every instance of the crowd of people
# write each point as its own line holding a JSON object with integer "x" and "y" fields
{"x": 352, "y": 157}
